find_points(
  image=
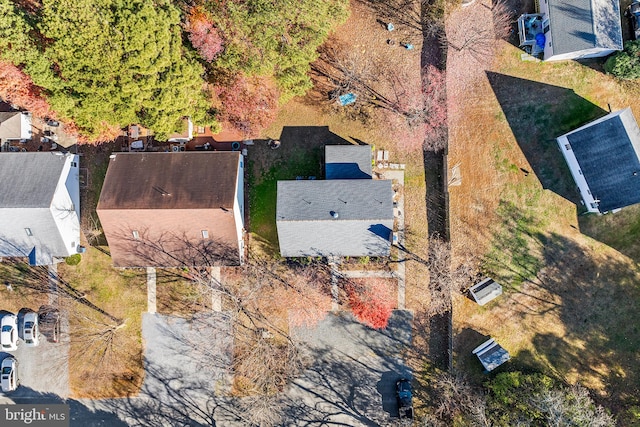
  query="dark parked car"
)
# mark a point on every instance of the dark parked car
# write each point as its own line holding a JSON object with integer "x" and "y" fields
{"x": 403, "y": 394}
{"x": 53, "y": 123}
{"x": 633, "y": 14}
{"x": 49, "y": 320}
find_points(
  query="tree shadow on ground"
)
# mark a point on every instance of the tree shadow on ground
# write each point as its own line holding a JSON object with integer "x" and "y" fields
{"x": 538, "y": 113}
{"x": 80, "y": 414}
{"x": 590, "y": 300}
{"x": 352, "y": 379}
{"x": 620, "y": 230}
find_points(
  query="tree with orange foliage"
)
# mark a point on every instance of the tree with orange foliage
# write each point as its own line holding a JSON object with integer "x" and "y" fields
{"x": 371, "y": 302}
{"x": 248, "y": 103}
{"x": 18, "y": 89}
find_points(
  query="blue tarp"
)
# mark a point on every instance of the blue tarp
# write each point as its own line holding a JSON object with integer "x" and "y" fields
{"x": 540, "y": 39}
{"x": 348, "y": 98}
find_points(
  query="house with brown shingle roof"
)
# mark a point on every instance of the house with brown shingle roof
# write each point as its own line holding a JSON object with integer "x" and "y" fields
{"x": 174, "y": 209}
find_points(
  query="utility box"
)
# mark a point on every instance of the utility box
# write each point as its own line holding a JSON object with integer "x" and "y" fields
{"x": 485, "y": 291}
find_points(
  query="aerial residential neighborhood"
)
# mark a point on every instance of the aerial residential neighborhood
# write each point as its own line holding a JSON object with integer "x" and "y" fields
{"x": 319, "y": 213}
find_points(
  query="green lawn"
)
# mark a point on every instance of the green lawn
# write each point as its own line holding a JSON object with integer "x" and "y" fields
{"x": 266, "y": 168}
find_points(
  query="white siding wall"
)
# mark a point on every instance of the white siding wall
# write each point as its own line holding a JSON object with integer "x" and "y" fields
{"x": 65, "y": 205}
{"x": 570, "y": 157}
{"x": 238, "y": 207}
{"x": 25, "y": 126}
{"x": 596, "y": 52}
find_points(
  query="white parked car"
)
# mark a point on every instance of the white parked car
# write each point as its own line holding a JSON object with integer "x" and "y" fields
{"x": 9, "y": 374}
{"x": 9, "y": 334}
{"x": 30, "y": 329}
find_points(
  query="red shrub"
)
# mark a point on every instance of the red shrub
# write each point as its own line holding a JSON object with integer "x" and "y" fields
{"x": 435, "y": 98}
{"x": 372, "y": 302}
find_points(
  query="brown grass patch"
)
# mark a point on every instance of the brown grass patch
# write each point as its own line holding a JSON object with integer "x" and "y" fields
{"x": 177, "y": 295}
{"x": 111, "y": 366}
{"x": 28, "y": 286}
{"x": 572, "y": 316}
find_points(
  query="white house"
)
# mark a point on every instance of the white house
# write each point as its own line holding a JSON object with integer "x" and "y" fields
{"x": 348, "y": 214}
{"x": 572, "y": 29}
{"x": 604, "y": 159}
{"x": 39, "y": 206}
{"x": 15, "y": 125}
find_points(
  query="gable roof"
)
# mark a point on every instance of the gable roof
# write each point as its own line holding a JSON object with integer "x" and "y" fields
{"x": 585, "y": 24}
{"x": 35, "y": 220}
{"x": 185, "y": 180}
{"x": 29, "y": 179}
{"x": 351, "y": 199}
{"x": 10, "y": 125}
{"x": 172, "y": 209}
{"x": 607, "y": 151}
{"x": 334, "y": 217}
{"x": 347, "y": 161}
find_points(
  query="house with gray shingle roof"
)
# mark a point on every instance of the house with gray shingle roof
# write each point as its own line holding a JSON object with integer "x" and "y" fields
{"x": 350, "y": 215}
{"x": 604, "y": 159}
{"x": 39, "y": 206}
{"x": 572, "y": 29}
{"x": 347, "y": 161}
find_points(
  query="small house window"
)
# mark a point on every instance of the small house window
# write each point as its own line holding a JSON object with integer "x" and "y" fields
{"x": 579, "y": 171}
{"x": 136, "y": 235}
{"x": 567, "y": 146}
{"x": 588, "y": 192}
{"x": 74, "y": 164}
{"x": 28, "y": 231}
{"x": 205, "y": 234}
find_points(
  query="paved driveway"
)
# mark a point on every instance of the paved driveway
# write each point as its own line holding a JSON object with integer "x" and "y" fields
{"x": 352, "y": 381}
{"x": 186, "y": 371}
{"x": 42, "y": 370}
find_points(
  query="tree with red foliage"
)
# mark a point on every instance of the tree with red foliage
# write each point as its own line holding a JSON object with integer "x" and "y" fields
{"x": 371, "y": 302}
{"x": 203, "y": 35}
{"x": 18, "y": 89}
{"x": 248, "y": 103}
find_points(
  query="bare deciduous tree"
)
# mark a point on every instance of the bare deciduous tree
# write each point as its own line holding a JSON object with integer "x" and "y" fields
{"x": 477, "y": 40}
{"x": 571, "y": 406}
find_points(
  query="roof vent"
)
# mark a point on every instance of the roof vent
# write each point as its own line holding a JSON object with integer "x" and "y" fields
{"x": 334, "y": 214}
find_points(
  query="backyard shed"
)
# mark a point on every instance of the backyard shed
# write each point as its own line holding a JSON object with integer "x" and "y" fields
{"x": 485, "y": 291}
{"x": 491, "y": 354}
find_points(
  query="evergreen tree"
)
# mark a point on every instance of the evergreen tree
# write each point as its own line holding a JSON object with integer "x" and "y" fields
{"x": 109, "y": 62}
{"x": 277, "y": 38}
{"x": 625, "y": 64}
